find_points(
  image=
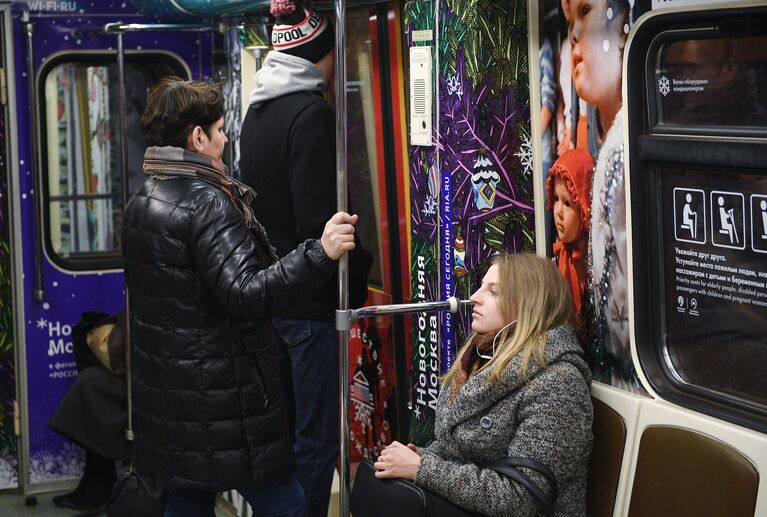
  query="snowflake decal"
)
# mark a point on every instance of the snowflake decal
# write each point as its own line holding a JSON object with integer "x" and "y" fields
{"x": 42, "y": 323}
{"x": 525, "y": 155}
{"x": 454, "y": 86}
{"x": 429, "y": 207}
{"x": 664, "y": 86}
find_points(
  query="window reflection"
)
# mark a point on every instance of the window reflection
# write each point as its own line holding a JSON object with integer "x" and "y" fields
{"x": 80, "y": 165}
{"x": 719, "y": 82}
{"x": 82, "y": 130}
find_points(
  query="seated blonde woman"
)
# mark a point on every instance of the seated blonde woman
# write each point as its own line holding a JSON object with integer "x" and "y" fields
{"x": 519, "y": 388}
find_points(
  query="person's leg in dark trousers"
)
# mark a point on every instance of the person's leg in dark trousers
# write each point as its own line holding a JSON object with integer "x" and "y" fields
{"x": 189, "y": 503}
{"x": 285, "y": 500}
{"x": 94, "y": 488}
{"x": 313, "y": 349}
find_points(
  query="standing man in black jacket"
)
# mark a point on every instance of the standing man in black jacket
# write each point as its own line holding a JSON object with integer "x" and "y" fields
{"x": 288, "y": 157}
{"x": 212, "y": 405}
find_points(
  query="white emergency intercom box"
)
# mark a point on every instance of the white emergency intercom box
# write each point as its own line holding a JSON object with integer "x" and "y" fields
{"x": 420, "y": 95}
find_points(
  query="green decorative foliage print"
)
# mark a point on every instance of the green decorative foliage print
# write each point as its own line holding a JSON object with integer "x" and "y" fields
{"x": 494, "y": 36}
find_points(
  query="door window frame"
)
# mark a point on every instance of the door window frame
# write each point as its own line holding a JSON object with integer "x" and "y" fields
{"x": 97, "y": 260}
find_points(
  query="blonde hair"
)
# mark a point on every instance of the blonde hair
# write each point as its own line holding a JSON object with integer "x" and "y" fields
{"x": 538, "y": 292}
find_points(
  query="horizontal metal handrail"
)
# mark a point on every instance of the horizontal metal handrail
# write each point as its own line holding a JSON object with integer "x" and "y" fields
{"x": 344, "y": 319}
{"x": 115, "y": 28}
{"x": 84, "y": 197}
{"x": 452, "y": 304}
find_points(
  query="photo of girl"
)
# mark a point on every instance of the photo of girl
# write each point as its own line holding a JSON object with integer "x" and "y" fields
{"x": 599, "y": 30}
{"x": 587, "y": 39}
{"x": 568, "y": 196}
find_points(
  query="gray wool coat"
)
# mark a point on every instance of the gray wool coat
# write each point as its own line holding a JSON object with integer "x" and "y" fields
{"x": 547, "y": 419}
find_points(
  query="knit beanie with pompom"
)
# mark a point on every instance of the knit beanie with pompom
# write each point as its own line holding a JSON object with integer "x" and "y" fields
{"x": 300, "y": 31}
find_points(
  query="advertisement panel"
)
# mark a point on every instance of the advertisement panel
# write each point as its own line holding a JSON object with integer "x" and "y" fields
{"x": 471, "y": 191}
{"x": 580, "y": 58}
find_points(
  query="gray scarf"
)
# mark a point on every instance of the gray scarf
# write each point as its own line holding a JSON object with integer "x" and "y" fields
{"x": 167, "y": 163}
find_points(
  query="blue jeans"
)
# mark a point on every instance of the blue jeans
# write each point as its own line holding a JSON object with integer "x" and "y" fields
{"x": 285, "y": 500}
{"x": 313, "y": 349}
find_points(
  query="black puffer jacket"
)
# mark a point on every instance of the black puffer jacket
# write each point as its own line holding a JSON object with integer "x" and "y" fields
{"x": 211, "y": 406}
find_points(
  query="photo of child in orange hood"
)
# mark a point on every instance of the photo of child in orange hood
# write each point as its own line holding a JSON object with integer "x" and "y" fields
{"x": 568, "y": 196}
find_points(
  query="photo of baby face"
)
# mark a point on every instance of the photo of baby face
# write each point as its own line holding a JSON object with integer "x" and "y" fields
{"x": 598, "y": 35}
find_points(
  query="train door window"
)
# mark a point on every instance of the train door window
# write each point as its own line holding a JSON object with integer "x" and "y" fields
{"x": 714, "y": 280}
{"x": 81, "y": 159}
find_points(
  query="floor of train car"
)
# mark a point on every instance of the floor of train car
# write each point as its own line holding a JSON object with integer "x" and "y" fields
{"x": 13, "y": 505}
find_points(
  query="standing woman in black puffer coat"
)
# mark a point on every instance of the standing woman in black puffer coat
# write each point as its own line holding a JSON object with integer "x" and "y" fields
{"x": 211, "y": 382}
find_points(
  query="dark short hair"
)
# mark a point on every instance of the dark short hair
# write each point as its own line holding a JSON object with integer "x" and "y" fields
{"x": 175, "y": 107}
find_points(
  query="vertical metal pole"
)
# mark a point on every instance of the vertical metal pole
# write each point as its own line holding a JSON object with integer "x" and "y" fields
{"x": 258, "y": 53}
{"x": 232, "y": 107}
{"x": 343, "y": 265}
{"x": 126, "y": 195}
{"x": 122, "y": 108}
{"x": 38, "y": 292}
{"x": 226, "y": 83}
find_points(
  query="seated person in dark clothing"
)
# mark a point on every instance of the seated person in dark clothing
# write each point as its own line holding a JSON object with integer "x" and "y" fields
{"x": 93, "y": 414}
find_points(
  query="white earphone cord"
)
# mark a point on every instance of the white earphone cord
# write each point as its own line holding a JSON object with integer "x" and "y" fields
{"x": 494, "y": 340}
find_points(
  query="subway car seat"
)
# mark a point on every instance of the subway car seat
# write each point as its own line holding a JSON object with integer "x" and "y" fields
{"x": 683, "y": 472}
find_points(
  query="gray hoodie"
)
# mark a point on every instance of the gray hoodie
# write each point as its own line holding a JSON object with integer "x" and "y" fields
{"x": 282, "y": 74}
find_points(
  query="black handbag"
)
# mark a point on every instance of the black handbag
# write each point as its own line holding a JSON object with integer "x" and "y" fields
{"x": 133, "y": 496}
{"x": 373, "y": 497}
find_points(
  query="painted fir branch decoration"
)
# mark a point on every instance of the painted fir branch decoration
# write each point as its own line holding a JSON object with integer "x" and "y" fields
{"x": 473, "y": 123}
{"x": 494, "y": 36}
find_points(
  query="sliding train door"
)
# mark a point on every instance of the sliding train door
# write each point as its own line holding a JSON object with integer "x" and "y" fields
{"x": 679, "y": 391}
{"x": 69, "y": 197}
{"x": 696, "y": 106}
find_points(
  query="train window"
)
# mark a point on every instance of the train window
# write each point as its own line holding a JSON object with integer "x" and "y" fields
{"x": 713, "y": 82}
{"x": 715, "y": 281}
{"x": 81, "y": 160}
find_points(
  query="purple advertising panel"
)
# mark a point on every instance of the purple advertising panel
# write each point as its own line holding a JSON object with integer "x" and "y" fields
{"x": 446, "y": 278}
{"x": 471, "y": 191}
{"x": 425, "y": 226}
